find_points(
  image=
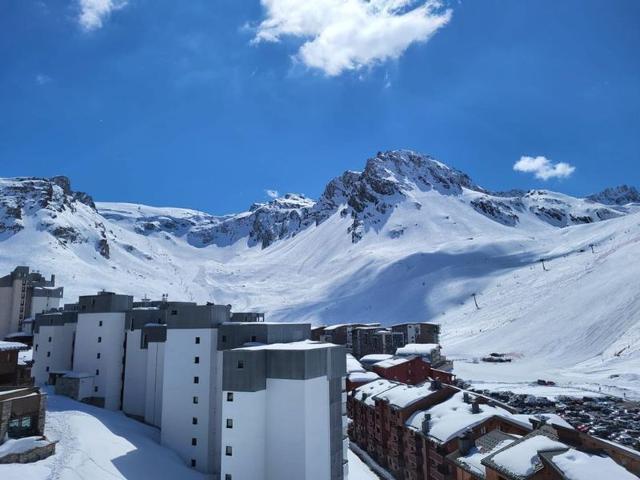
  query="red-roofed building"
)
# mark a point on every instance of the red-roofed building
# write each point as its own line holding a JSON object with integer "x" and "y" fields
{"x": 410, "y": 370}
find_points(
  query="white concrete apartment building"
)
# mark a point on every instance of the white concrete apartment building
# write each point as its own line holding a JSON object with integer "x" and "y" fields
{"x": 283, "y": 412}
{"x": 23, "y": 294}
{"x": 53, "y": 342}
{"x": 163, "y": 363}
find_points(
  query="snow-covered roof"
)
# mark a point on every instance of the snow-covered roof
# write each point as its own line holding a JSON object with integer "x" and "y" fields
{"x": 366, "y": 392}
{"x": 19, "y": 334}
{"x": 353, "y": 365}
{"x": 303, "y": 345}
{"x": 8, "y": 346}
{"x": 577, "y": 465}
{"x": 486, "y": 445}
{"x": 417, "y": 349}
{"x": 361, "y": 377}
{"x": 375, "y": 358}
{"x": 402, "y": 395}
{"x": 452, "y": 417}
{"x": 21, "y": 445}
{"x": 521, "y": 458}
{"x": 391, "y": 362}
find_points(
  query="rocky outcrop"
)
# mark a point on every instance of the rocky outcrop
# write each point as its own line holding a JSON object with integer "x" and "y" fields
{"x": 621, "y": 195}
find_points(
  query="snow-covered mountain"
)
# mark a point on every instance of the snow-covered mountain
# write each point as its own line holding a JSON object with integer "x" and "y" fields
{"x": 408, "y": 238}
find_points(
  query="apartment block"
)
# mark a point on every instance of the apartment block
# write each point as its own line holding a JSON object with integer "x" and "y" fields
{"x": 23, "y": 294}
{"x": 163, "y": 363}
{"x": 284, "y": 412}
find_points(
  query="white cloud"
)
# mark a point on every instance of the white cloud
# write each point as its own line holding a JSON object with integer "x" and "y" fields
{"x": 341, "y": 35}
{"x": 543, "y": 168}
{"x": 272, "y": 193}
{"x": 42, "y": 79}
{"x": 94, "y": 12}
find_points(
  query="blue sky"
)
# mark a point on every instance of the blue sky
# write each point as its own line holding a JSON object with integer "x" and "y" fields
{"x": 207, "y": 104}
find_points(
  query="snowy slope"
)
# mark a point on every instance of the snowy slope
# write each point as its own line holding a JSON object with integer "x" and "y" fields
{"x": 408, "y": 238}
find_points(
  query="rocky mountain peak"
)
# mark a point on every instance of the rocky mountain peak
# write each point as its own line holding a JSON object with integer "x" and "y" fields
{"x": 620, "y": 195}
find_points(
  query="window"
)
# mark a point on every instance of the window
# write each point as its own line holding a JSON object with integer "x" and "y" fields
{"x": 195, "y": 399}
{"x": 98, "y": 356}
{"x": 97, "y": 371}
{"x": 196, "y": 360}
{"x": 196, "y": 379}
{"x": 99, "y": 339}
{"x": 48, "y": 354}
{"x": 47, "y": 369}
{"x": 49, "y": 339}
{"x": 197, "y": 339}
{"x": 254, "y": 338}
{"x": 194, "y": 421}
{"x": 228, "y": 451}
{"x": 194, "y": 442}
{"x": 240, "y": 364}
{"x": 193, "y": 463}
{"x": 100, "y": 323}
{"x": 36, "y": 347}
{"x": 229, "y": 396}
{"x": 227, "y": 477}
{"x": 229, "y": 422}
{"x": 95, "y": 389}
{"x": 174, "y": 312}
{"x": 224, "y": 338}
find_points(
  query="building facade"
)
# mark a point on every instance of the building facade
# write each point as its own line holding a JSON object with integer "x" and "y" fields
{"x": 23, "y": 294}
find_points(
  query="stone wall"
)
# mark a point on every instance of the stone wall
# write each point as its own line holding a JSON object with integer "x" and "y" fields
{"x": 33, "y": 455}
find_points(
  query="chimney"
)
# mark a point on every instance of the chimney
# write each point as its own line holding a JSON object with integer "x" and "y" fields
{"x": 436, "y": 384}
{"x": 466, "y": 398}
{"x": 465, "y": 443}
{"x": 475, "y": 407}
{"x": 426, "y": 423}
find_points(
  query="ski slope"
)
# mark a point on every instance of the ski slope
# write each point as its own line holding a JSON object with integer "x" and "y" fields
{"x": 408, "y": 239}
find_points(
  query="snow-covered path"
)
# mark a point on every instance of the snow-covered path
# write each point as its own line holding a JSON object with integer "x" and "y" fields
{"x": 96, "y": 444}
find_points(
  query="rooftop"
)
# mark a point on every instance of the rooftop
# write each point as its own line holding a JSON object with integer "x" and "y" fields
{"x": 10, "y": 346}
{"x": 303, "y": 345}
{"x": 452, "y": 417}
{"x": 484, "y": 446}
{"x": 417, "y": 349}
{"x": 402, "y": 396}
{"x": 365, "y": 393}
{"x": 577, "y": 465}
{"x": 391, "y": 362}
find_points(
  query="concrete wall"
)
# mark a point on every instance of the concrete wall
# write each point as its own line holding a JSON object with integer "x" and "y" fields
{"x": 54, "y": 355}
{"x": 135, "y": 375}
{"x": 154, "y": 384}
{"x": 179, "y": 389}
{"x": 108, "y": 381}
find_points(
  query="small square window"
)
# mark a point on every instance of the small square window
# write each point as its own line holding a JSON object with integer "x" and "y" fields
{"x": 98, "y": 356}
{"x": 227, "y": 477}
{"x": 194, "y": 442}
{"x": 254, "y": 338}
{"x": 97, "y": 371}
{"x": 48, "y": 354}
{"x": 196, "y": 360}
{"x": 197, "y": 339}
{"x": 195, "y": 399}
{"x": 229, "y": 396}
{"x": 224, "y": 338}
{"x": 240, "y": 364}
{"x": 47, "y": 369}
{"x": 174, "y": 312}
{"x": 228, "y": 451}
{"x": 36, "y": 347}
{"x": 196, "y": 379}
{"x": 193, "y": 463}
{"x": 49, "y": 339}
{"x": 194, "y": 421}
{"x": 229, "y": 422}
{"x": 95, "y": 389}
{"x": 99, "y": 339}
{"x": 100, "y": 323}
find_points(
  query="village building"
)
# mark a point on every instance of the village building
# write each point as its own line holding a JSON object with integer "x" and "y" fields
{"x": 418, "y": 332}
{"x": 163, "y": 363}
{"x": 24, "y": 294}
{"x": 410, "y": 370}
{"x": 13, "y": 372}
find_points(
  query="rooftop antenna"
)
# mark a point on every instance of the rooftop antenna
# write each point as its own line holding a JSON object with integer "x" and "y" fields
{"x": 165, "y": 296}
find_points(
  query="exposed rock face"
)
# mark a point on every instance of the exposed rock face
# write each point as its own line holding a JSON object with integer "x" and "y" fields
{"x": 622, "y": 195}
{"x": 366, "y": 199}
